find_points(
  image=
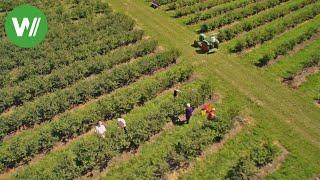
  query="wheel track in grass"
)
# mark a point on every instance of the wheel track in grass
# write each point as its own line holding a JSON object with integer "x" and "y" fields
{"x": 292, "y": 108}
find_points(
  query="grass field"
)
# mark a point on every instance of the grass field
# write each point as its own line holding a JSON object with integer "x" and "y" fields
{"x": 51, "y": 128}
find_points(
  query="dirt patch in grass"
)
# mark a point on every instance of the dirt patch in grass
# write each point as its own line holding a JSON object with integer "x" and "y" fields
{"x": 318, "y": 102}
{"x": 298, "y": 79}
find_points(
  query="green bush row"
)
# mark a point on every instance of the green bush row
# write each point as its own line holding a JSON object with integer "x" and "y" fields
{"x": 179, "y": 146}
{"x": 181, "y": 3}
{"x": 47, "y": 5}
{"x": 91, "y": 152}
{"x": 248, "y": 166}
{"x": 239, "y": 14}
{"x": 46, "y": 64}
{"x": 198, "y": 7}
{"x": 58, "y": 43}
{"x": 29, "y": 89}
{"x": 163, "y": 2}
{"x": 22, "y": 147}
{"x": 265, "y": 33}
{"x": 284, "y": 47}
{"x": 262, "y": 18}
{"x": 63, "y": 77}
{"x": 46, "y": 107}
{"x": 218, "y": 10}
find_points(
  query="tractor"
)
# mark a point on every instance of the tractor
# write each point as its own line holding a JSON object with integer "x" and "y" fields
{"x": 155, "y": 4}
{"x": 207, "y": 44}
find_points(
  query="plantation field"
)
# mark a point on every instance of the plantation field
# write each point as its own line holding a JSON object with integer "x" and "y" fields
{"x": 105, "y": 59}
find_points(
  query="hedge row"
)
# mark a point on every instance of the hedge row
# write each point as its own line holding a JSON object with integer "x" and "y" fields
{"x": 29, "y": 89}
{"x": 314, "y": 60}
{"x": 284, "y": 47}
{"x": 178, "y": 147}
{"x": 181, "y": 3}
{"x": 90, "y": 151}
{"x": 268, "y": 32}
{"x": 79, "y": 69}
{"x": 239, "y": 14}
{"x": 311, "y": 59}
{"x": 22, "y": 147}
{"x": 199, "y": 7}
{"x": 68, "y": 75}
{"x": 46, "y": 107}
{"x": 55, "y": 60}
{"x": 262, "y": 18}
{"x": 163, "y": 2}
{"x": 215, "y": 11}
{"x": 248, "y": 166}
{"x": 89, "y": 8}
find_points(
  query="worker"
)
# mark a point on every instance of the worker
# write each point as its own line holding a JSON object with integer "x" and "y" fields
{"x": 122, "y": 124}
{"x": 188, "y": 113}
{"x": 215, "y": 42}
{"x": 176, "y": 92}
{"x": 209, "y": 110}
{"x": 100, "y": 129}
{"x": 212, "y": 114}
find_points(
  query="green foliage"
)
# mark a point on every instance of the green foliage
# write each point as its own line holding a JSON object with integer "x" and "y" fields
{"x": 265, "y": 33}
{"x": 241, "y": 13}
{"x": 177, "y": 147}
{"x": 198, "y": 7}
{"x": 45, "y": 108}
{"x": 314, "y": 60}
{"x": 244, "y": 170}
{"x": 264, "y": 154}
{"x": 181, "y": 3}
{"x": 284, "y": 47}
{"x": 217, "y": 10}
{"x": 77, "y": 122}
{"x": 91, "y": 151}
{"x": 261, "y": 18}
{"x": 248, "y": 166}
{"x": 31, "y": 88}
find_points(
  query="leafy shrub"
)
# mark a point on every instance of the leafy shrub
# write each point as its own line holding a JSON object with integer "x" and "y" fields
{"x": 264, "y": 154}
{"x": 90, "y": 151}
{"x": 266, "y": 33}
{"x": 74, "y": 123}
{"x": 249, "y": 165}
{"x": 198, "y": 7}
{"x": 262, "y": 18}
{"x": 238, "y": 14}
{"x": 215, "y": 11}
{"x": 245, "y": 169}
{"x": 285, "y": 46}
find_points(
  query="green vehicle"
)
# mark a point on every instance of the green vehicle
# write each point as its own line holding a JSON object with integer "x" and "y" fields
{"x": 207, "y": 44}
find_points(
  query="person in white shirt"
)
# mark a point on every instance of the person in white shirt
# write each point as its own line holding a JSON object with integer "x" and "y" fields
{"x": 100, "y": 129}
{"x": 122, "y": 124}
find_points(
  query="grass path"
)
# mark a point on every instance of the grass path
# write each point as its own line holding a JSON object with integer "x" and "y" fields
{"x": 287, "y": 110}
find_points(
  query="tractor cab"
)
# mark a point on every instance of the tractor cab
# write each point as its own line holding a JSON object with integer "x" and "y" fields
{"x": 207, "y": 44}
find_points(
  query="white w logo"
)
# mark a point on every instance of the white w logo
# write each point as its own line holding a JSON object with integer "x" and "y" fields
{"x": 25, "y": 25}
